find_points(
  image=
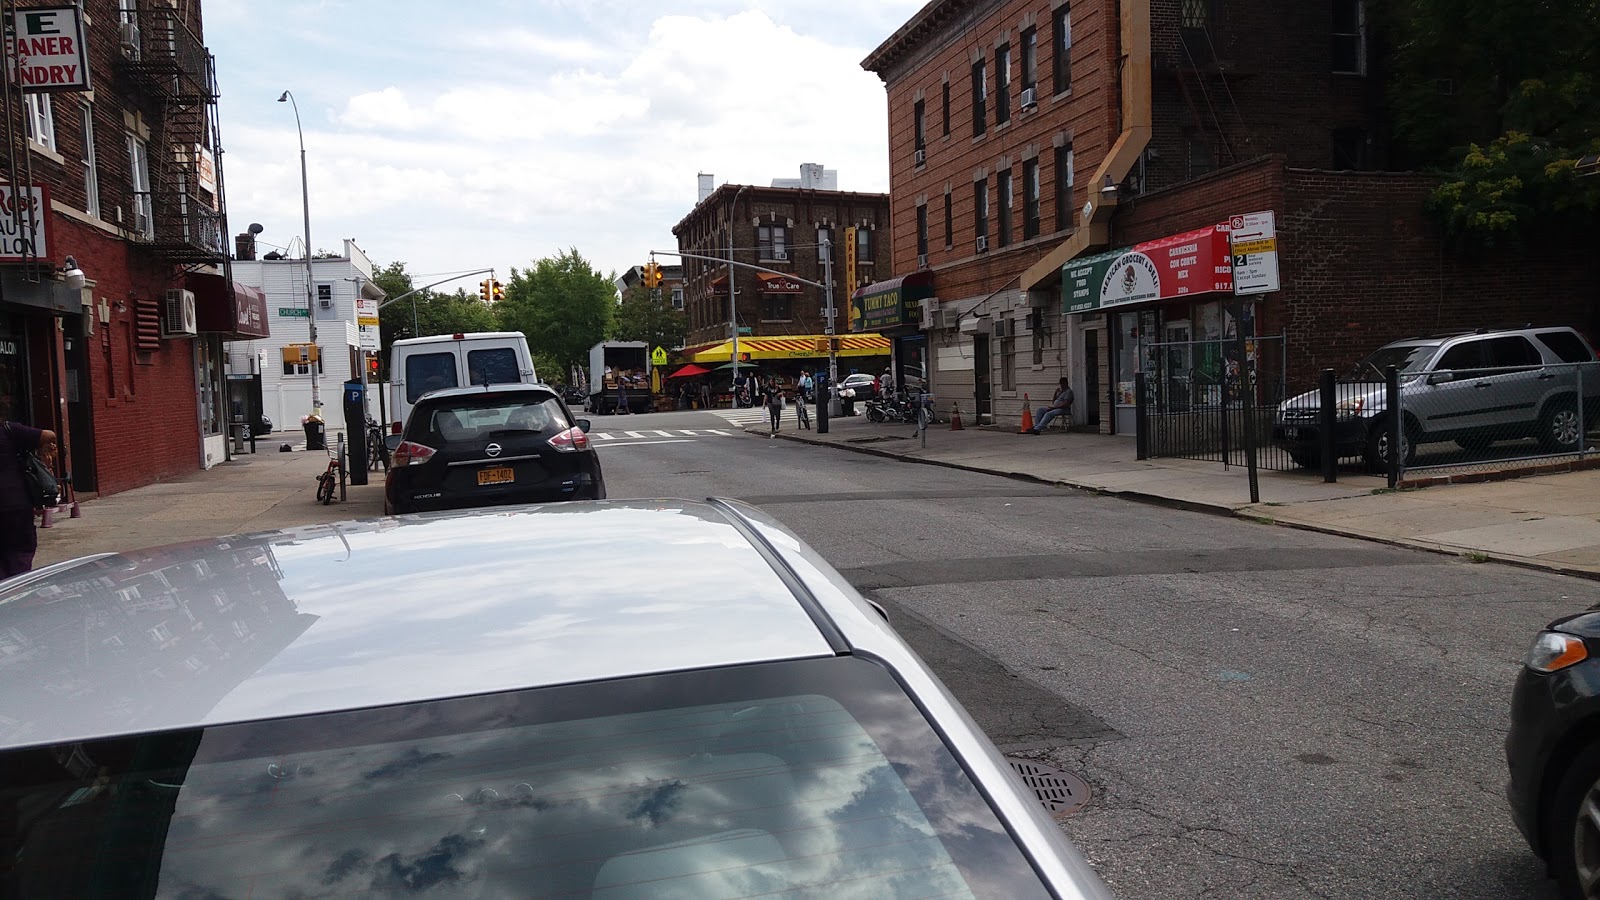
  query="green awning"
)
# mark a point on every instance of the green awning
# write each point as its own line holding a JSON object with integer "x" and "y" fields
{"x": 1081, "y": 279}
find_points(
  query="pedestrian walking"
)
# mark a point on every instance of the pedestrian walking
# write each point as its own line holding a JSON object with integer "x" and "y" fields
{"x": 622, "y": 396}
{"x": 19, "y": 539}
{"x": 802, "y": 414}
{"x": 774, "y": 398}
{"x": 705, "y": 394}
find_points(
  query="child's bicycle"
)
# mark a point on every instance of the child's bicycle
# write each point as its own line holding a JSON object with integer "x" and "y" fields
{"x": 330, "y": 478}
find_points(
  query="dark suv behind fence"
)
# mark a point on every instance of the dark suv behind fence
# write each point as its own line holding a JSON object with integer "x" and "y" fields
{"x": 509, "y": 443}
{"x": 1473, "y": 389}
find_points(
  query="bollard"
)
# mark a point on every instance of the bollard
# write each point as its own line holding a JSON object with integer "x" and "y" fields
{"x": 1327, "y": 420}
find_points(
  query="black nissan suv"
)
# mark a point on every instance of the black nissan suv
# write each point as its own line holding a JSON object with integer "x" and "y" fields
{"x": 491, "y": 445}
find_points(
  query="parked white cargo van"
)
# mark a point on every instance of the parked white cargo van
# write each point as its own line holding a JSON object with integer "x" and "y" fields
{"x": 420, "y": 365}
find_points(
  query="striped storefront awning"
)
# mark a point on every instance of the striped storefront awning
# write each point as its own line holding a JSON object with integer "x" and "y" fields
{"x": 800, "y": 346}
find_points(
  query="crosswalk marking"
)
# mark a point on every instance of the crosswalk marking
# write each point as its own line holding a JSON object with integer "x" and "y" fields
{"x": 633, "y": 434}
{"x": 602, "y": 436}
{"x": 639, "y": 437}
{"x": 716, "y": 431}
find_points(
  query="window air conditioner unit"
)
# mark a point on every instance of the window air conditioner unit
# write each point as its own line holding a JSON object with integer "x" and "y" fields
{"x": 983, "y": 244}
{"x": 325, "y": 302}
{"x": 141, "y": 223}
{"x": 128, "y": 37}
{"x": 780, "y": 255}
{"x": 922, "y": 260}
{"x": 179, "y": 320}
{"x": 1002, "y": 328}
{"x": 1030, "y": 98}
{"x": 1036, "y": 320}
{"x": 921, "y": 157}
{"x": 947, "y": 318}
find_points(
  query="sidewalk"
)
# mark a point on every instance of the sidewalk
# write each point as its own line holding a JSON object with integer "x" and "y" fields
{"x": 253, "y": 492}
{"x": 1550, "y": 522}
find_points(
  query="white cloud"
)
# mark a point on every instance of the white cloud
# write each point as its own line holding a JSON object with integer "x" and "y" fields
{"x": 516, "y": 142}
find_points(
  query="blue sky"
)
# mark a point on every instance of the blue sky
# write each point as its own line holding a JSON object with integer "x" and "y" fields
{"x": 458, "y": 137}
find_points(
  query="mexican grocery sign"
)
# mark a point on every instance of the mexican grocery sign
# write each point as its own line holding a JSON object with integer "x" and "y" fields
{"x": 45, "y": 51}
{"x": 1195, "y": 262}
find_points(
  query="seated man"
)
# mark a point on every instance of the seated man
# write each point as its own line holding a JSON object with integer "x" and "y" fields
{"x": 1060, "y": 404}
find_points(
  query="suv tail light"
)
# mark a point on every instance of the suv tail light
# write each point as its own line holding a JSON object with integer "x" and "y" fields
{"x": 571, "y": 440}
{"x": 410, "y": 454}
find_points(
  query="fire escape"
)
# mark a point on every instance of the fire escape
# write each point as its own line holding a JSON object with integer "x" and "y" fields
{"x": 180, "y": 214}
{"x": 1202, "y": 79}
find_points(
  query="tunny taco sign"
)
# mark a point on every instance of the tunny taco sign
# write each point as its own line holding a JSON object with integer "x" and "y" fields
{"x": 45, "y": 49}
{"x": 1195, "y": 262}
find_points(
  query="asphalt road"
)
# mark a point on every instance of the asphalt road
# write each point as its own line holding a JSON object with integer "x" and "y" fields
{"x": 1259, "y": 712}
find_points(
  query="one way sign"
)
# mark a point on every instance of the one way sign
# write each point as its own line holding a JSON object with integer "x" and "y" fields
{"x": 1253, "y": 242}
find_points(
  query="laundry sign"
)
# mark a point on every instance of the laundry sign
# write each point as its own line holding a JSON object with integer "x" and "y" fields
{"x": 45, "y": 49}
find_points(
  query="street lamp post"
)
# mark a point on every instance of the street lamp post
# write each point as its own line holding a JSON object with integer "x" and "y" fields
{"x": 733, "y": 301}
{"x": 311, "y": 306}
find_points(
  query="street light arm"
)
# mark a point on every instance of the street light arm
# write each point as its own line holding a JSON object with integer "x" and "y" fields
{"x": 724, "y": 261}
{"x": 434, "y": 285}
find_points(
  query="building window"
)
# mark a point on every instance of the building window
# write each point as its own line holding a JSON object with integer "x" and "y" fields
{"x": 91, "y": 179}
{"x": 949, "y": 223}
{"x": 1030, "y": 198}
{"x": 980, "y": 91}
{"x": 290, "y": 368}
{"x": 1002, "y": 84}
{"x": 1007, "y": 205}
{"x": 1061, "y": 55}
{"x": 41, "y": 121}
{"x": 980, "y": 208}
{"x": 677, "y": 296}
{"x": 1195, "y": 14}
{"x": 1030, "y": 58}
{"x": 1199, "y": 157}
{"x": 921, "y": 138}
{"x": 1349, "y": 37}
{"x": 778, "y": 308}
{"x": 1350, "y": 149}
{"x": 1008, "y": 357}
{"x": 824, "y": 243}
{"x": 139, "y": 171}
{"x": 863, "y": 244}
{"x": 1064, "y": 187}
{"x": 922, "y": 231}
{"x": 772, "y": 242}
{"x": 947, "y": 109}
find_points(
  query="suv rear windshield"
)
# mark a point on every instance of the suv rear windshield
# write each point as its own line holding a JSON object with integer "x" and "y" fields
{"x": 429, "y": 372}
{"x": 479, "y": 417}
{"x": 814, "y": 777}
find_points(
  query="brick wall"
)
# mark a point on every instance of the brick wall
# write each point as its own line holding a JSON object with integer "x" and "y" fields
{"x": 143, "y": 405}
{"x": 1363, "y": 265}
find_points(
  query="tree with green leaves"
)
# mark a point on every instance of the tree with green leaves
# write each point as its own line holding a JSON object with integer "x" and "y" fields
{"x": 1502, "y": 97}
{"x": 564, "y": 306}
{"x": 435, "y": 313}
{"x": 646, "y": 314}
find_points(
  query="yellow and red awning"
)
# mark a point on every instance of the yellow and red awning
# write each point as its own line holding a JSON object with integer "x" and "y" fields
{"x": 800, "y": 346}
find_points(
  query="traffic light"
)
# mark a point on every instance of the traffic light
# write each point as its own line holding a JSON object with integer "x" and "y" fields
{"x": 372, "y": 366}
{"x": 483, "y": 290}
{"x": 652, "y": 275}
{"x": 496, "y": 290}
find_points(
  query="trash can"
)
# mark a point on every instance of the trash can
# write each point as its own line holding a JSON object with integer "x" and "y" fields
{"x": 316, "y": 434}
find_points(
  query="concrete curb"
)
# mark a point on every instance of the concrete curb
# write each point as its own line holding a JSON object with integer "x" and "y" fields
{"x": 1246, "y": 512}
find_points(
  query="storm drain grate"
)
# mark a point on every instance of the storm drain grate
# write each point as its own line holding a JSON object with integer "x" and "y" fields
{"x": 1061, "y": 792}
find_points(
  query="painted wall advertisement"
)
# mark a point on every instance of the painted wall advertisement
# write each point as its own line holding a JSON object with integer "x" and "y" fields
{"x": 29, "y": 225}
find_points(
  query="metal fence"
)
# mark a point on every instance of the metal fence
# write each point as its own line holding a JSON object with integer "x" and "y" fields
{"x": 1207, "y": 400}
{"x": 1467, "y": 420}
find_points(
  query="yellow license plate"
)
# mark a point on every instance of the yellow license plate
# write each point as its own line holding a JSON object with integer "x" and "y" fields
{"x": 497, "y": 475}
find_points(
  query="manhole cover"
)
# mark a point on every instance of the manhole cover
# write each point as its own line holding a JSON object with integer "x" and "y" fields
{"x": 1061, "y": 792}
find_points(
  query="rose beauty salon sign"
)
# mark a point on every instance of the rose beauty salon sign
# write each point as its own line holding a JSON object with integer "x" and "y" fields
{"x": 23, "y": 221}
{"x": 1195, "y": 262}
{"x": 45, "y": 49}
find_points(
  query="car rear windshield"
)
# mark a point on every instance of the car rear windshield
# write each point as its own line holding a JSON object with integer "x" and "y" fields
{"x": 807, "y": 778}
{"x": 495, "y": 365}
{"x": 475, "y": 418}
{"x": 1567, "y": 347}
{"x": 429, "y": 372}
{"x": 1404, "y": 357}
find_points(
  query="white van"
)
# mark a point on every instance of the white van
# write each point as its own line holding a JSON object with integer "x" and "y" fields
{"x": 420, "y": 365}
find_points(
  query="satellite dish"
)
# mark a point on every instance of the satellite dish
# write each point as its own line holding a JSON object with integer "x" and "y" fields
{"x": 255, "y": 228}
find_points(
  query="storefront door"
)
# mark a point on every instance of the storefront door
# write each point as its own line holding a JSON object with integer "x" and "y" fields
{"x": 80, "y": 421}
{"x": 1091, "y": 379}
{"x": 1135, "y": 331}
{"x": 980, "y": 375}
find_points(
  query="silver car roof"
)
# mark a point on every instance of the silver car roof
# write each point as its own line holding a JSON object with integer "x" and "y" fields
{"x": 388, "y": 611}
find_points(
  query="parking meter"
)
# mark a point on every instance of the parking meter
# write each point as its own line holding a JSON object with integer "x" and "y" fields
{"x": 355, "y": 425}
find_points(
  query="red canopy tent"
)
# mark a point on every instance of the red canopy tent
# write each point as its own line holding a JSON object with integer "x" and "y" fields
{"x": 690, "y": 369}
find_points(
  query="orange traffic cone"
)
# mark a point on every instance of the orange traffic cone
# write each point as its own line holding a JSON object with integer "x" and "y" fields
{"x": 1027, "y": 416}
{"x": 955, "y": 417}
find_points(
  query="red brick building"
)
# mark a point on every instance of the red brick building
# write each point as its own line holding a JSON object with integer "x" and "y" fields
{"x": 782, "y": 229}
{"x": 127, "y": 368}
{"x": 1028, "y": 138}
